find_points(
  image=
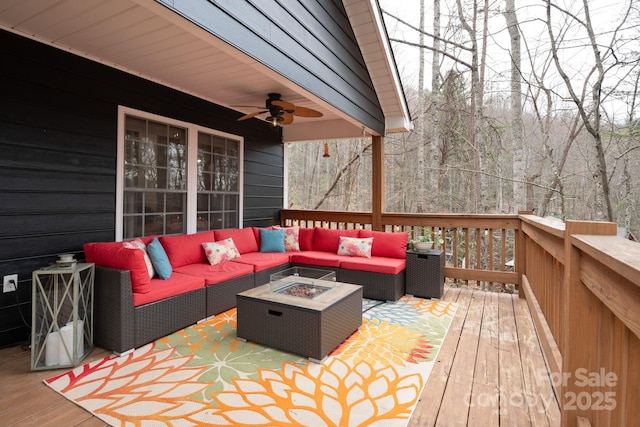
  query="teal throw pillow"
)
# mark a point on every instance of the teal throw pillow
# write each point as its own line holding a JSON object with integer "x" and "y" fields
{"x": 272, "y": 240}
{"x": 159, "y": 259}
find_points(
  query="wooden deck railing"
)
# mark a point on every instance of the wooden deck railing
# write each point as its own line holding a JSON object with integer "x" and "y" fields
{"x": 582, "y": 284}
{"x": 479, "y": 248}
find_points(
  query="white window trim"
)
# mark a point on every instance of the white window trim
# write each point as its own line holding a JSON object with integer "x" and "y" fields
{"x": 192, "y": 160}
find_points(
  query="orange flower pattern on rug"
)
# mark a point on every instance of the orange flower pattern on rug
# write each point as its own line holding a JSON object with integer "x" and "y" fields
{"x": 203, "y": 375}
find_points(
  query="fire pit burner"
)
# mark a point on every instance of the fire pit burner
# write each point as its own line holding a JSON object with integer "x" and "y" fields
{"x": 302, "y": 290}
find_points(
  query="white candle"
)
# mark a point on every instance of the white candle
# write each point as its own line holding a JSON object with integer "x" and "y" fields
{"x": 66, "y": 344}
{"x": 80, "y": 337}
{"x": 52, "y": 349}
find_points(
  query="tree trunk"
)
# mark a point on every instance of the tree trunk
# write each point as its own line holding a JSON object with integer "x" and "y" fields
{"x": 422, "y": 158}
{"x": 435, "y": 174}
{"x": 520, "y": 195}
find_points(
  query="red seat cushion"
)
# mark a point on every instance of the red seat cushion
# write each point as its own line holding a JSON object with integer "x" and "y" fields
{"x": 391, "y": 245}
{"x": 217, "y": 273}
{"x": 375, "y": 264}
{"x": 328, "y": 240}
{"x": 175, "y": 285}
{"x": 263, "y": 260}
{"x": 113, "y": 255}
{"x": 320, "y": 258}
{"x": 186, "y": 249}
{"x": 244, "y": 238}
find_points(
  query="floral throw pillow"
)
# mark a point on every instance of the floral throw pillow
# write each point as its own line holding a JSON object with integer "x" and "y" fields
{"x": 220, "y": 251}
{"x": 292, "y": 239}
{"x": 139, "y": 244}
{"x": 352, "y": 246}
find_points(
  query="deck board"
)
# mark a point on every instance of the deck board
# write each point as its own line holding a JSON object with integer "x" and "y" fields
{"x": 491, "y": 355}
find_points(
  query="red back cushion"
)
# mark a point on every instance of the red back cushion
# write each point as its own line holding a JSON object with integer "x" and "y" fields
{"x": 244, "y": 238}
{"x": 305, "y": 238}
{"x": 390, "y": 245}
{"x": 186, "y": 249}
{"x": 112, "y": 254}
{"x": 327, "y": 240}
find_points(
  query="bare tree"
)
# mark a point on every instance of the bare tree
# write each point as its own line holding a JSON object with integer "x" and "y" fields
{"x": 591, "y": 114}
{"x": 434, "y": 146}
{"x": 517, "y": 132}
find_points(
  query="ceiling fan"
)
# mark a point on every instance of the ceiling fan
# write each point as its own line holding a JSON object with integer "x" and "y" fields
{"x": 280, "y": 112}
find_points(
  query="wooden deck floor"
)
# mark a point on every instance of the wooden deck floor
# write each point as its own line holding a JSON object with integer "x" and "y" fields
{"x": 489, "y": 372}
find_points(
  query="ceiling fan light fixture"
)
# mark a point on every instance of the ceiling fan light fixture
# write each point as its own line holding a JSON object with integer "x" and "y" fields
{"x": 275, "y": 120}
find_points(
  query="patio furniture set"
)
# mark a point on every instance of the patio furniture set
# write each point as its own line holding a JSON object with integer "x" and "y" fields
{"x": 177, "y": 280}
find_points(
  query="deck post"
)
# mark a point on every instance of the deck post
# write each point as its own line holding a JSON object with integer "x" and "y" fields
{"x": 377, "y": 182}
{"x": 520, "y": 257}
{"x": 578, "y": 317}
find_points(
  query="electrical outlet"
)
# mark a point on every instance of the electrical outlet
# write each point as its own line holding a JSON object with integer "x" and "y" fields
{"x": 10, "y": 283}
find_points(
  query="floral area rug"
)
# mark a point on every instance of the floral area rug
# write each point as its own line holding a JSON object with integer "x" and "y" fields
{"x": 204, "y": 376}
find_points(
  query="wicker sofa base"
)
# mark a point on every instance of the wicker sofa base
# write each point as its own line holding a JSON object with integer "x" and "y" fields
{"x": 153, "y": 320}
{"x": 379, "y": 286}
{"x": 222, "y": 296}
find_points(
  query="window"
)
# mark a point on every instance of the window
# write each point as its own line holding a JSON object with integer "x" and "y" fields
{"x": 175, "y": 177}
{"x": 218, "y": 173}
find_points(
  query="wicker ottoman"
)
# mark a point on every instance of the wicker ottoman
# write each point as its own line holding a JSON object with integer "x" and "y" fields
{"x": 308, "y": 327}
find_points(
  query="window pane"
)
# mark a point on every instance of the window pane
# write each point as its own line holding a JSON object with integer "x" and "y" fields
{"x": 231, "y": 203}
{"x": 231, "y": 220}
{"x": 203, "y": 222}
{"x": 219, "y": 145}
{"x": 153, "y": 203}
{"x": 177, "y": 179}
{"x": 132, "y": 227}
{"x": 217, "y": 202}
{"x": 203, "y": 202}
{"x": 153, "y": 224}
{"x": 216, "y": 221}
{"x": 132, "y": 202}
{"x": 232, "y": 148}
{"x": 174, "y": 224}
{"x": 175, "y": 202}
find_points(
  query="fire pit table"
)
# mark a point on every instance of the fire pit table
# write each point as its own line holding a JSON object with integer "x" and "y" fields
{"x": 302, "y": 311}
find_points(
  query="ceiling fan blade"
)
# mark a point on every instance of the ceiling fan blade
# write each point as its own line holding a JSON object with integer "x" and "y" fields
{"x": 287, "y": 118}
{"x": 306, "y": 112}
{"x": 284, "y": 104}
{"x": 247, "y": 106}
{"x": 251, "y": 115}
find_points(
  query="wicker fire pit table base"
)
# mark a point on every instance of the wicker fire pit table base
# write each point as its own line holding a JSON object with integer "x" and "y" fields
{"x": 299, "y": 321}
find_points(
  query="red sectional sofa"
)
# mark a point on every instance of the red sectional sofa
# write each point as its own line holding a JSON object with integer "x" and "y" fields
{"x": 132, "y": 308}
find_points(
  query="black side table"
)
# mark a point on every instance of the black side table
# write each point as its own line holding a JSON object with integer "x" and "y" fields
{"x": 425, "y": 273}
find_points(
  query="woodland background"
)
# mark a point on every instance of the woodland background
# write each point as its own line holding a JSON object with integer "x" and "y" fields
{"x": 531, "y": 105}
